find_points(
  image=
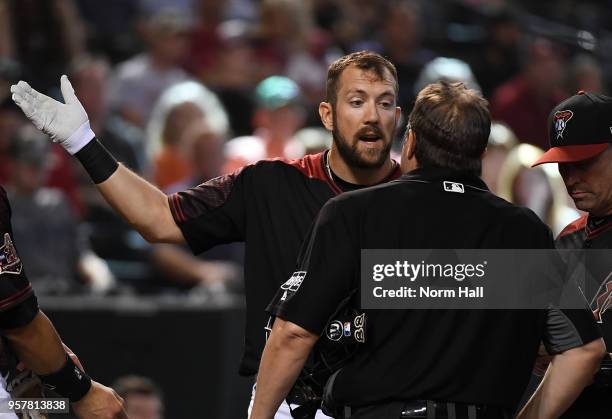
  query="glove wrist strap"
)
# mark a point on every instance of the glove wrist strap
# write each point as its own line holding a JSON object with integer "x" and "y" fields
{"x": 69, "y": 381}
{"x": 79, "y": 138}
{"x": 97, "y": 161}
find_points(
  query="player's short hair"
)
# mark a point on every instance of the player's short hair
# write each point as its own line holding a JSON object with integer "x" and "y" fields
{"x": 128, "y": 385}
{"x": 452, "y": 125}
{"x": 364, "y": 60}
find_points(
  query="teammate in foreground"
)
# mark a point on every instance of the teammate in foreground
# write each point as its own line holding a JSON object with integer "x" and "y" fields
{"x": 34, "y": 341}
{"x": 269, "y": 205}
{"x": 422, "y": 363}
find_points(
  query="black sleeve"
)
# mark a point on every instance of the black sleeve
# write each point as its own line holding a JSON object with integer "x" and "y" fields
{"x": 567, "y": 329}
{"x": 327, "y": 273}
{"x": 212, "y": 213}
{"x": 18, "y": 304}
{"x": 564, "y": 329}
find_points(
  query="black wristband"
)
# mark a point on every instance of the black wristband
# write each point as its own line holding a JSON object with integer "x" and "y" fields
{"x": 97, "y": 161}
{"x": 69, "y": 381}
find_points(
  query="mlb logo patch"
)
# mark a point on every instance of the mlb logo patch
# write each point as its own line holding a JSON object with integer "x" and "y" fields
{"x": 293, "y": 283}
{"x": 347, "y": 329}
{"x": 454, "y": 187}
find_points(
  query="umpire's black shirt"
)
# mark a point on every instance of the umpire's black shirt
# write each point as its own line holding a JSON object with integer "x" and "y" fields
{"x": 459, "y": 356}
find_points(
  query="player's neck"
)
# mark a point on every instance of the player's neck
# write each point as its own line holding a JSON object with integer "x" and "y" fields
{"x": 356, "y": 175}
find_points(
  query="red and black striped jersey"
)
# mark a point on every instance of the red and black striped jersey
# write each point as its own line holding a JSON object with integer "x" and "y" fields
{"x": 18, "y": 304}
{"x": 270, "y": 206}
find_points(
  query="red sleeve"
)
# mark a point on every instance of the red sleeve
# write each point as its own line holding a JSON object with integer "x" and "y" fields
{"x": 574, "y": 226}
{"x": 212, "y": 213}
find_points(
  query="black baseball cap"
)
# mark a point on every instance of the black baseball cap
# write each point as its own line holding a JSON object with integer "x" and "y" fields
{"x": 579, "y": 128}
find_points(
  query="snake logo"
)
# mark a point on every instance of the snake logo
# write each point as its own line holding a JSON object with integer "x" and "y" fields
{"x": 561, "y": 119}
{"x": 603, "y": 299}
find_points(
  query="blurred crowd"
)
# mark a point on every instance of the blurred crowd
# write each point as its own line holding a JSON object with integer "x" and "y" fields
{"x": 182, "y": 91}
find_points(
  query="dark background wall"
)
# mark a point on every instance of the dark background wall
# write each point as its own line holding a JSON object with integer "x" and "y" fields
{"x": 193, "y": 353}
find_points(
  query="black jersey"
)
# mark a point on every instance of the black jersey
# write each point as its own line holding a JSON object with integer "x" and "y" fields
{"x": 270, "y": 206}
{"x": 18, "y": 304}
{"x": 594, "y": 235}
{"x": 468, "y": 356}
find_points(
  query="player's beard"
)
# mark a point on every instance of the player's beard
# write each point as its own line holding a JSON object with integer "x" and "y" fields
{"x": 351, "y": 154}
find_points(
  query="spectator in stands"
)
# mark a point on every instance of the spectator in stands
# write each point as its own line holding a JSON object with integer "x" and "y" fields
{"x": 287, "y": 42}
{"x": 448, "y": 69}
{"x": 540, "y": 189}
{"x": 282, "y": 29}
{"x": 585, "y": 74}
{"x": 177, "y": 108}
{"x": 11, "y": 120}
{"x": 206, "y": 151}
{"x": 111, "y": 29}
{"x": 45, "y": 227}
{"x": 314, "y": 139}
{"x": 229, "y": 77}
{"x": 358, "y": 20}
{"x": 525, "y": 101}
{"x": 401, "y": 43}
{"x": 60, "y": 173}
{"x": 278, "y": 116}
{"x": 89, "y": 77}
{"x": 43, "y": 36}
{"x": 143, "y": 398}
{"x": 499, "y": 58}
{"x": 501, "y": 141}
{"x": 138, "y": 82}
{"x": 186, "y": 134}
{"x": 205, "y": 40}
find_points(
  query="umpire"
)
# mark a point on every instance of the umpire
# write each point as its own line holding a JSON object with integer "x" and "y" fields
{"x": 580, "y": 133}
{"x": 420, "y": 363}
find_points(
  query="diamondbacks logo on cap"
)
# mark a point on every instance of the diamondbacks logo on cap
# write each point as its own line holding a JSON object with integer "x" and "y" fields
{"x": 560, "y": 120}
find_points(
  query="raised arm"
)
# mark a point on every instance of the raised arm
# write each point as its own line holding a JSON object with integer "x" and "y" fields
{"x": 140, "y": 203}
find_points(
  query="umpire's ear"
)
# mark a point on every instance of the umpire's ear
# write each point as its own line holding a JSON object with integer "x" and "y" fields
{"x": 409, "y": 161}
{"x": 326, "y": 113}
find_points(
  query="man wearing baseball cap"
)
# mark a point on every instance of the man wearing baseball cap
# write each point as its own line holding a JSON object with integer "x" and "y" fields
{"x": 278, "y": 116}
{"x": 580, "y": 134}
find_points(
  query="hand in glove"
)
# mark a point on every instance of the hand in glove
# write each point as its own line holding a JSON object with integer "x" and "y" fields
{"x": 67, "y": 124}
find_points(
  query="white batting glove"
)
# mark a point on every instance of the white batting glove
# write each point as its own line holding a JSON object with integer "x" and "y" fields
{"x": 66, "y": 124}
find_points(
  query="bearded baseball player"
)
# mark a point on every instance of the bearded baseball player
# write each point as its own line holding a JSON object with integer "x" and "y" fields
{"x": 269, "y": 205}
